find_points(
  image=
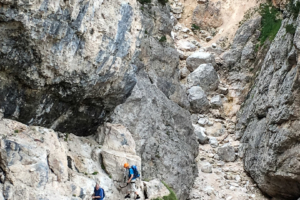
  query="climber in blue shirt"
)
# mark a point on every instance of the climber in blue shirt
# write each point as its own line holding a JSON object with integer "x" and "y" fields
{"x": 98, "y": 193}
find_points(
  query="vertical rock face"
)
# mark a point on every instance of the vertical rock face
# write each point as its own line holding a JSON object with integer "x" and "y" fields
{"x": 268, "y": 123}
{"x": 66, "y": 64}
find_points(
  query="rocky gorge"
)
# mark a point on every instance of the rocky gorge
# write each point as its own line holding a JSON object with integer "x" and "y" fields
{"x": 202, "y": 102}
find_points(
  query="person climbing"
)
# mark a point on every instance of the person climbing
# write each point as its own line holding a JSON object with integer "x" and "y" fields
{"x": 98, "y": 193}
{"x": 133, "y": 174}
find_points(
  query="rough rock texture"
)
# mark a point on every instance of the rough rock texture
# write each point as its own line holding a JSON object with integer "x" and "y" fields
{"x": 198, "y": 58}
{"x": 204, "y": 76}
{"x": 268, "y": 123}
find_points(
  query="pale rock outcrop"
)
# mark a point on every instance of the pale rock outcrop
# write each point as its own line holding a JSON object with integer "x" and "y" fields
{"x": 204, "y": 76}
{"x": 155, "y": 189}
{"x": 198, "y": 58}
{"x": 198, "y": 100}
{"x": 38, "y": 163}
{"x": 118, "y": 148}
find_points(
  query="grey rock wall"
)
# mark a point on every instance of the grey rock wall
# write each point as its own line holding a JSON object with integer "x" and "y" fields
{"x": 268, "y": 123}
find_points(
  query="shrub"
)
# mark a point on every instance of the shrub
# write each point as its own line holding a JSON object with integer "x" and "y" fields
{"x": 163, "y": 2}
{"x": 290, "y": 29}
{"x": 144, "y": 1}
{"x": 195, "y": 27}
{"x": 270, "y": 24}
{"x": 163, "y": 39}
{"x": 95, "y": 173}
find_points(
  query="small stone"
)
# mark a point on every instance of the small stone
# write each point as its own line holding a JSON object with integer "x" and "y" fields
{"x": 216, "y": 102}
{"x": 200, "y": 134}
{"x": 203, "y": 121}
{"x": 208, "y": 38}
{"x": 214, "y": 45}
{"x": 185, "y": 30}
{"x": 213, "y": 142}
{"x": 206, "y": 167}
{"x": 185, "y": 36}
{"x": 184, "y": 72}
{"x": 222, "y": 90}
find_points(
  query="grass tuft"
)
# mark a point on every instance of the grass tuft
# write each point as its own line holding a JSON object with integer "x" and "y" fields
{"x": 290, "y": 29}
{"x": 171, "y": 196}
{"x": 294, "y": 8}
{"x": 270, "y": 22}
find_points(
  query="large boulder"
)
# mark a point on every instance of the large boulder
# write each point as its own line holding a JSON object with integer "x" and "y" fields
{"x": 207, "y": 15}
{"x": 198, "y": 100}
{"x": 198, "y": 58}
{"x": 226, "y": 153}
{"x": 204, "y": 76}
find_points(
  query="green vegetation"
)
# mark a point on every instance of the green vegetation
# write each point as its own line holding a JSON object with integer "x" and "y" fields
{"x": 144, "y": 1}
{"x": 195, "y": 27}
{"x": 85, "y": 173}
{"x": 294, "y": 8}
{"x": 74, "y": 195}
{"x": 163, "y": 39}
{"x": 16, "y": 131}
{"x": 270, "y": 22}
{"x": 95, "y": 173}
{"x": 290, "y": 29}
{"x": 67, "y": 136}
{"x": 171, "y": 196}
{"x": 163, "y": 2}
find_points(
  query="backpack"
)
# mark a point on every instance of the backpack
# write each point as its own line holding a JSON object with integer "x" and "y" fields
{"x": 103, "y": 192}
{"x": 136, "y": 173}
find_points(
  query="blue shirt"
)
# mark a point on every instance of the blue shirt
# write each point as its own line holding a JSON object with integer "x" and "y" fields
{"x": 98, "y": 193}
{"x": 131, "y": 173}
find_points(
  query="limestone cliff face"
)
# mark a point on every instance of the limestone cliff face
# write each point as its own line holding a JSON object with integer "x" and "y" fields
{"x": 71, "y": 65}
{"x": 268, "y": 122}
{"x": 67, "y": 64}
